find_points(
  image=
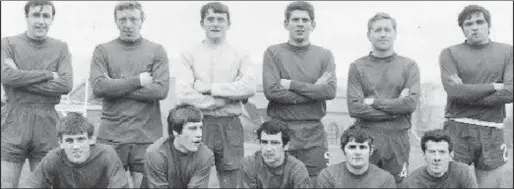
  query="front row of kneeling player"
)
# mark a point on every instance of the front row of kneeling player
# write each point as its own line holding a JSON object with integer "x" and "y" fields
{"x": 180, "y": 160}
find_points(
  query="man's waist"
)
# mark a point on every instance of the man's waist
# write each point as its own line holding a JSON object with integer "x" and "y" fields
{"x": 477, "y": 122}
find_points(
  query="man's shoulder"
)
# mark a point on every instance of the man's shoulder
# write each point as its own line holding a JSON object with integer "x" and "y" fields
{"x": 296, "y": 163}
{"x": 380, "y": 173}
{"x": 103, "y": 149}
{"x": 361, "y": 60}
{"x": 405, "y": 60}
{"x": 336, "y": 168}
{"x": 276, "y": 47}
{"x": 204, "y": 153}
{"x": 459, "y": 167}
{"x": 159, "y": 144}
{"x": 320, "y": 49}
{"x": 502, "y": 45}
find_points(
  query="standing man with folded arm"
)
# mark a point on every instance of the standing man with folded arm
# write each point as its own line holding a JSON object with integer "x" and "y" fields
{"x": 131, "y": 74}
{"x": 383, "y": 91}
{"x": 298, "y": 78}
{"x": 477, "y": 78}
{"x": 216, "y": 77}
{"x": 36, "y": 72}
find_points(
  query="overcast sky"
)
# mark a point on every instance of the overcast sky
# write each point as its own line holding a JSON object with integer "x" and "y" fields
{"x": 424, "y": 28}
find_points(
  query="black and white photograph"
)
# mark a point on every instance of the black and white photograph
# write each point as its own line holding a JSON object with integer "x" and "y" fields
{"x": 256, "y": 94}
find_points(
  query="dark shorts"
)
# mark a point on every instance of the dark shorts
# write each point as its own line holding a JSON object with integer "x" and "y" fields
{"x": 224, "y": 136}
{"x": 28, "y": 131}
{"x": 391, "y": 152}
{"x": 309, "y": 144}
{"x": 130, "y": 154}
{"x": 480, "y": 145}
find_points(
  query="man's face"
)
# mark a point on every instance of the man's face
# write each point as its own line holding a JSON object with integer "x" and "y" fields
{"x": 39, "y": 20}
{"x": 76, "y": 147}
{"x": 382, "y": 35}
{"x": 129, "y": 23}
{"x": 437, "y": 156}
{"x": 272, "y": 148}
{"x": 476, "y": 29}
{"x": 357, "y": 154}
{"x": 299, "y": 25}
{"x": 191, "y": 136}
{"x": 215, "y": 24}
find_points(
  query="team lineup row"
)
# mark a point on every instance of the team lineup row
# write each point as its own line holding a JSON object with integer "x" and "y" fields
{"x": 214, "y": 79}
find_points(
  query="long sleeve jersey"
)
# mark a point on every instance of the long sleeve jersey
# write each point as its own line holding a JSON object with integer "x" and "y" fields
{"x": 458, "y": 176}
{"x": 256, "y": 174}
{"x": 103, "y": 169}
{"x": 33, "y": 82}
{"x": 338, "y": 176}
{"x": 130, "y": 112}
{"x": 304, "y": 100}
{"x": 222, "y": 68}
{"x": 383, "y": 79}
{"x": 478, "y": 66}
{"x": 166, "y": 167}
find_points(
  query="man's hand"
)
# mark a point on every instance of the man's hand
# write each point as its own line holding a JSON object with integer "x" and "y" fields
{"x": 202, "y": 87}
{"x": 286, "y": 83}
{"x": 56, "y": 75}
{"x": 145, "y": 79}
{"x": 324, "y": 79}
{"x": 11, "y": 63}
{"x": 405, "y": 92}
{"x": 498, "y": 86}
{"x": 369, "y": 101}
{"x": 455, "y": 79}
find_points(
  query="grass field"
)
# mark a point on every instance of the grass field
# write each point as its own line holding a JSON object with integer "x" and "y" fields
{"x": 416, "y": 160}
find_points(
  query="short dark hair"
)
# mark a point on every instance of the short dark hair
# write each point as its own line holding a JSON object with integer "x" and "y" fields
{"x": 129, "y": 5}
{"x": 381, "y": 16}
{"x": 74, "y": 123}
{"x": 180, "y": 115}
{"x": 216, "y": 7}
{"x": 274, "y": 127}
{"x": 35, "y": 3}
{"x": 356, "y": 133}
{"x": 471, "y": 10}
{"x": 436, "y": 135}
{"x": 299, "y": 5}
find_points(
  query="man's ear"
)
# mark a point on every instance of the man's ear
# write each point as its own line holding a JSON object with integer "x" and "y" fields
{"x": 313, "y": 25}
{"x": 371, "y": 150}
{"x": 286, "y": 147}
{"x": 451, "y": 154}
{"x": 285, "y": 24}
{"x": 174, "y": 133}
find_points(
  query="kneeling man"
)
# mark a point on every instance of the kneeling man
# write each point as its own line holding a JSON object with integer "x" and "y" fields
{"x": 440, "y": 171}
{"x": 271, "y": 167}
{"x": 79, "y": 163}
{"x": 179, "y": 160}
{"x": 356, "y": 171}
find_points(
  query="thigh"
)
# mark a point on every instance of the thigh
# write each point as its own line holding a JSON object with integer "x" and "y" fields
{"x": 494, "y": 178}
{"x": 463, "y": 136}
{"x": 17, "y": 123}
{"x": 494, "y": 151}
{"x": 233, "y": 143}
{"x": 399, "y": 163}
{"x": 122, "y": 150}
{"x": 44, "y": 137}
{"x": 315, "y": 159}
{"x": 10, "y": 174}
{"x": 136, "y": 157}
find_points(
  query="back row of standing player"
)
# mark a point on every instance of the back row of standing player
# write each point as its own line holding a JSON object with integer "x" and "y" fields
{"x": 131, "y": 73}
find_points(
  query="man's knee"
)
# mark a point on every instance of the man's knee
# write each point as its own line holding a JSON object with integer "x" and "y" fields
{"x": 10, "y": 174}
{"x": 494, "y": 178}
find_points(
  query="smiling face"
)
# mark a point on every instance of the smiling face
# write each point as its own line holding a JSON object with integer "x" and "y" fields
{"x": 39, "y": 19}
{"x": 382, "y": 35}
{"x": 76, "y": 147}
{"x": 191, "y": 136}
{"x": 300, "y": 25}
{"x": 129, "y": 23}
{"x": 357, "y": 154}
{"x": 438, "y": 157}
{"x": 476, "y": 29}
{"x": 215, "y": 25}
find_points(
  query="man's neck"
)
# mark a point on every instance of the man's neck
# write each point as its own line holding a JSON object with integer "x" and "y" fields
{"x": 478, "y": 44}
{"x": 436, "y": 175}
{"x": 296, "y": 43}
{"x": 277, "y": 163}
{"x": 34, "y": 37}
{"x": 179, "y": 147}
{"x": 383, "y": 54}
{"x": 214, "y": 41}
{"x": 357, "y": 171}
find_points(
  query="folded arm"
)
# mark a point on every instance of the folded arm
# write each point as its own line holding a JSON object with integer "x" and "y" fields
{"x": 271, "y": 83}
{"x": 244, "y": 86}
{"x": 323, "y": 91}
{"x": 105, "y": 86}
{"x": 405, "y": 104}
{"x": 158, "y": 90}
{"x": 200, "y": 178}
{"x": 355, "y": 100}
